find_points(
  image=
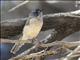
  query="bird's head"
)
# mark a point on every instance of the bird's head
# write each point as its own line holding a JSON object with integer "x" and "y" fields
{"x": 36, "y": 12}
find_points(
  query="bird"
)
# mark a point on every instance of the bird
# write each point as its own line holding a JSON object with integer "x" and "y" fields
{"x": 31, "y": 29}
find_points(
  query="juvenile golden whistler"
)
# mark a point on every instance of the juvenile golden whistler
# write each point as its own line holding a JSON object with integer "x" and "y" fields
{"x": 30, "y": 30}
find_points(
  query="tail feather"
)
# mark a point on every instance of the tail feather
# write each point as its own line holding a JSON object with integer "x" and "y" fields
{"x": 16, "y": 47}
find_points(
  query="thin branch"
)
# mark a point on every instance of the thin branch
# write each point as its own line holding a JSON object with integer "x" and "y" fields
{"x": 75, "y": 53}
{"x": 70, "y": 14}
{"x": 13, "y": 58}
{"x": 12, "y": 9}
{"x": 77, "y": 12}
{"x": 3, "y": 41}
{"x": 66, "y": 44}
{"x": 41, "y": 53}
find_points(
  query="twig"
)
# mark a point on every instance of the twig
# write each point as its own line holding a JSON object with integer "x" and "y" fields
{"x": 12, "y": 9}
{"x": 76, "y": 12}
{"x": 75, "y": 53}
{"x": 28, "y": 56}
{"x": 3, "y": 41}
{"x": 41, "y": 53}
{"x": 70, "y": 14}
{"x": 67, "y": 44}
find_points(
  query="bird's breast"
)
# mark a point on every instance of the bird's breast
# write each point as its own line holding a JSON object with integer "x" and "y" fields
{"x": 32, "y": 30}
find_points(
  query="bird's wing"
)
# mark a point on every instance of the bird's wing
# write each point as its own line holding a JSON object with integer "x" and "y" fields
{"x": 17, "y": 46}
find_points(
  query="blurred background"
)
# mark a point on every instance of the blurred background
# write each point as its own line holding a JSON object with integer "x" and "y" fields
{"x": 23, "y": 11}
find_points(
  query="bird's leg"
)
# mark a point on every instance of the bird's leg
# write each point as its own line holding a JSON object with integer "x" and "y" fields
{"x": 37, "y": 42}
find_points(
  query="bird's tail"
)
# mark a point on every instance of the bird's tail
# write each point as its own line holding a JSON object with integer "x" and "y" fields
{"x": 17, "y": 46}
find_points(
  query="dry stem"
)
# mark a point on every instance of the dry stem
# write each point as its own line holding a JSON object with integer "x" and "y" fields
{"x": 12, "y": 9}
{"x": 75, "y": 53}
